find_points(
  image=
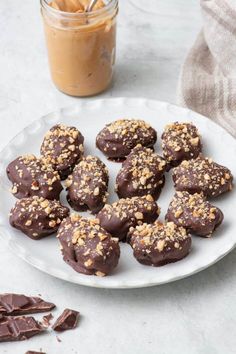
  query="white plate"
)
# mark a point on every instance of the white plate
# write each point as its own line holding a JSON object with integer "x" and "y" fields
{"x": 90, "y": 117}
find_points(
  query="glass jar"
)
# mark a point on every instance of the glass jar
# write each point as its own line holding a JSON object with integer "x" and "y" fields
{"x": 81, "y": 47}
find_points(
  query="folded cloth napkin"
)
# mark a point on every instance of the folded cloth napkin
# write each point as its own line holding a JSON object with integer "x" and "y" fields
{"x": 207, "y": 82}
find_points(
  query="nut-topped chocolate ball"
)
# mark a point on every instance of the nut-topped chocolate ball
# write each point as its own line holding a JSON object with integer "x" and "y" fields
{"x": 142, "y": 173}
{"x": 158, "y": 244}
{"x": 30, "y": 176}
{"x": 37, "y": 217}
{"x": 180, "y": 141}
{"x": 202, "y": 175}
{"x": 118, "y": 217}
{"x": 118, "y": 138}
{"x": 87, "y": 186}
{"x": 62, "y": 148}
{"x": 87, "y": 247}
{"x": 194, "y": 213}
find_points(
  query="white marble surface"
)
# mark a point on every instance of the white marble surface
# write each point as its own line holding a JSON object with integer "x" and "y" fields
{"x": 195, "y": 315}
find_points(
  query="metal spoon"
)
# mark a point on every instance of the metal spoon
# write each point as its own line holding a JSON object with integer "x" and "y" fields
{"x": 91, "y": 5}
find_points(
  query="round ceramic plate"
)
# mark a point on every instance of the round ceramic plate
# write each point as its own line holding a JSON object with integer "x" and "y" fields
{"x": 89, "y": 117}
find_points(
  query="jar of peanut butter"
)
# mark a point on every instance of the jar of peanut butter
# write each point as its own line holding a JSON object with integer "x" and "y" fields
{"x": 81, "y": 45}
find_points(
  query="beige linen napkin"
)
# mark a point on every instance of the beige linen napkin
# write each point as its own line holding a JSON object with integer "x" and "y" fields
{"x": 207, "y": 82}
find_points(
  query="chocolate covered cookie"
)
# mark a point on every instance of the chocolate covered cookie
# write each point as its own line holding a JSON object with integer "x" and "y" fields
{"x": 202, "y": 175}
{"x": 158, "y": 244}
{"x": 87, "y": 186}
{"x": 194, "y": 213}
{"x": 62, "y": 148}
{"x": 30, "y": 176}
{"x": 180, "y": 141}
{"x": 87, "y": 247}
{"x": 142, "y": 173}
{"x": 118, "y": 138}
{"x": 118, "y": 217}
{"x": 37, "y": 217}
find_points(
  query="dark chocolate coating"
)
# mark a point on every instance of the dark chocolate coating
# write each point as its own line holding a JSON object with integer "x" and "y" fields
{"x": 30, "y": 176}
{"x": 158, "y": 244}
{"x": 62, "y": 147}
{"x": 118, "y": 217}
{"x": 33, "y": 352}
{"x": 67, "y": 320}
{"x": 180, "y": 141}
{"x": 18, "y": 304}
{"x": 118, "y": 138}
{"x": 37, "y": 217}
{"x": 142, "y": 173}
{"x": 87, "y": 247}
{"x": 87, "y": 186}
{"x": 202, "y": 175}
{"x": 18, "y": 328}
{"x": 194, "y": 213}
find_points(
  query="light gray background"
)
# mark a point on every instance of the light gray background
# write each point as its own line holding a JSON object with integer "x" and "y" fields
{"x": 192, "y": 316}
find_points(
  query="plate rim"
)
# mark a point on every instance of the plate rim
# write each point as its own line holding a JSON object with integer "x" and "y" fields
{"x": 87, "y": 281}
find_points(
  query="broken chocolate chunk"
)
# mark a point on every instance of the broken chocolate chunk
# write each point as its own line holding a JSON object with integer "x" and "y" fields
{"x": 33, "y": 352}
{"x": 47, "y": 320}
{"x": 18, "y": 328}
{"x": 67, "y": 320}
{"x": 17, "y": 304}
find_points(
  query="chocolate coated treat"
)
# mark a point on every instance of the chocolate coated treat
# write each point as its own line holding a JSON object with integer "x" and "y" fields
{"x": 118, "y": 217}
{"x": 118, "y": 138}
{"x": 33, "y": 352}
{"x": 180, "y": 141}
{"x": 158, "y": 244}
{"x": 17, "y": 304}
{"x": 30, "y": 176}
{"x": 67, "y": 320}
{"x": 62, "y": 148}
{"x": 37, "y": 217}
{"x": 87, "y": 186}
{"x": 142, "y": 173}
{"x": 18, "y": 328}
{"x": 202, "y": 175}
{"x": 87, "y": 247}
{"x": 194, "y": 213}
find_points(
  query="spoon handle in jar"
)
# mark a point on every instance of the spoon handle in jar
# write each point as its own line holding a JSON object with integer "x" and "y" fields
{"x": 91, "y": 5}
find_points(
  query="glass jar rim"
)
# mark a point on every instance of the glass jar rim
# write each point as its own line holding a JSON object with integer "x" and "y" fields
{"x": 75, "y": 15}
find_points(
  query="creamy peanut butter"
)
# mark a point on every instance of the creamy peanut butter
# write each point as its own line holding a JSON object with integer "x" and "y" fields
{"x": 81, "y": 45}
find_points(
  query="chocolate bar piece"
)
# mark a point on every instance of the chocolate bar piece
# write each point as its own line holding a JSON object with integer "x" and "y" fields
{"x": 16, "y": 304}
{"x": 33, "y": 352}
{"x": 18, "y": 328}
{"x": 67, "y": 320}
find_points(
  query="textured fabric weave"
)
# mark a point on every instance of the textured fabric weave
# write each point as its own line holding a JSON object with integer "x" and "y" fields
{"x": 207, "y": 82}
